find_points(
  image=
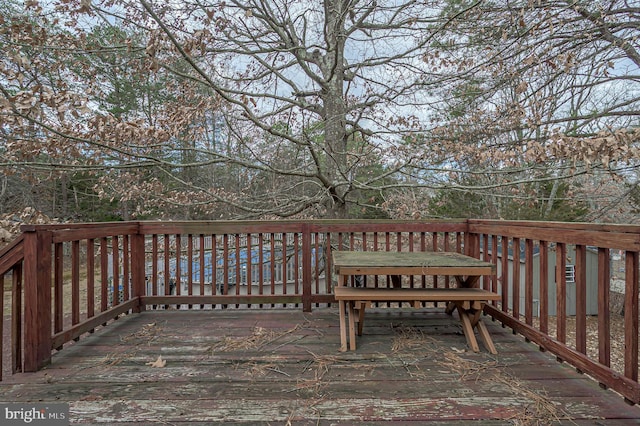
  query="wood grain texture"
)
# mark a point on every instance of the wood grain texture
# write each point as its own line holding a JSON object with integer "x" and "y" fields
{"x": 243, "y": 366}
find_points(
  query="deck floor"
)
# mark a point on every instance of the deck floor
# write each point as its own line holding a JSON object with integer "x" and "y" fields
{"x": 283, "y": 367}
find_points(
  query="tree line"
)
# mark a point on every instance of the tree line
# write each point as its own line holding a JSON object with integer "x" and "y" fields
{"x": 247, "y": 109}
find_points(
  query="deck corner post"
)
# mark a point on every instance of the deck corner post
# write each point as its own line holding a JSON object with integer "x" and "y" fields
{"x": 37, "y": 299}
{"x": 138, "y": 278}
{"x": 306, "y": 267}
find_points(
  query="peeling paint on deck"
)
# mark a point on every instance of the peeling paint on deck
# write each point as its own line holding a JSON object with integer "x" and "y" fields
{"x": 284, "y": 367}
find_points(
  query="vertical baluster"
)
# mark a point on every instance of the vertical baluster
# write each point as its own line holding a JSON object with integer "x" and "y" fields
{"x": 604, "y": 319}
{"x": 91, "y": 272}
{"x": 249, "y": 263}
{"x": 167, "y": 267}
{"x": 434, "y": 248}
{"x": 544, "y": 287}
{"x": 104, "y": 275}
{"x": 364, "y": 248}
{"x": 505, "y": 274}
{"x": 561, "y": 292}
{"x": 528, "y": 281}
{"x": 58, "y": 288}
{"x": 272, "y": 259}
{"x": 486, "y": 256}
{"x": 376, "y": 279}
{"x": 581, "y": 298}
{"x": 190, "y": 267}
{"x": 296, "y": 263}
{"x": 328, "y": 267}
{"x": 154, "y": 266}
{"x": 225, "y": 265}
{"x": 494, "y": 260}
{"x": 202, "y": 264}
{"x": 16, "y": 319}
{"x": 238, "y": 252}
{"x": 447, "y": 247}
{"x": 515, "y": 301}
{"x": 261, "y": 262}
{"x": 115, "y": 270}
{"x": 178, "y": 277}
{"x": 388, "y": 248}
{"x": 75, "y": 283}
{"x": 214, "y": 265}
{"x": 285, "y": 257}
{"x": 316, "y": 264}
{"x": 126, "y": 262}
{"x": 631, "y": 316}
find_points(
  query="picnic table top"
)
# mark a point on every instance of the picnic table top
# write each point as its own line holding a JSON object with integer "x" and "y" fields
{"x": 429, "y": 262}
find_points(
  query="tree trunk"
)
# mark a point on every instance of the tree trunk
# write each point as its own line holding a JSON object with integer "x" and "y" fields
{"x": 332, "y": 66}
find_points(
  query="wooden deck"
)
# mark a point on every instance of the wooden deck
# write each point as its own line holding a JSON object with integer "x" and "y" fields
{"x": 281, "y": 367}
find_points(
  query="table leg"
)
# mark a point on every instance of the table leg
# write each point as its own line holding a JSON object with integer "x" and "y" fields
{"x": 343, "y": 325}
{"x": 361, "y": 308}
{"x": 467, "y": 328}
{"x": 470, "y": 282}
{"x": 352, "y": 326}
{"x": 450, "y": 308}
{"x": 396, "y": 280}
{"x": 486, "y": 337}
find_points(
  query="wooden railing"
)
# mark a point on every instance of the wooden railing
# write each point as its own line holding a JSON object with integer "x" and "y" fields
{"x": 586, "y": 259}
{"x": 11, "y": 263}
{"x": 76, "y": 278}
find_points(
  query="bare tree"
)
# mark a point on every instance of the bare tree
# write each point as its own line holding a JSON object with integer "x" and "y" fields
{"x": 553, "y": 97}
{"x": 280, "y": 108}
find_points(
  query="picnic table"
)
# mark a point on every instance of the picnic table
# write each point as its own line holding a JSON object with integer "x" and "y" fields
{"x": 465, "y": 297}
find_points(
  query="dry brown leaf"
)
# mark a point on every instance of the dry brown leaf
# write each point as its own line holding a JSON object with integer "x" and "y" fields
{"x": 158, "y": 363}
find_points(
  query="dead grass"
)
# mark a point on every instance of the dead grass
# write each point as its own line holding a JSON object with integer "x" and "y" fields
{"x": 132, "y": 344}
{"x": 409, "y": 348}
{"x": 538, "y": 407}
{"x": 257, "y": 340}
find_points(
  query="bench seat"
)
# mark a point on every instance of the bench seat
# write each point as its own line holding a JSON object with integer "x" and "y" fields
{"x": 414, "y": 294}
{"x": 468, "y": 301}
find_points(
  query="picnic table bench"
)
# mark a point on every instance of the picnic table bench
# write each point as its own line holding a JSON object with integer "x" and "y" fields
{"x": 466, "y": 298}
{"x": 469, "y": 303}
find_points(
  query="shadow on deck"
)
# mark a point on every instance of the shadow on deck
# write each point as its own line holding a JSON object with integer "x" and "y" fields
{"x": 283, "y": 367}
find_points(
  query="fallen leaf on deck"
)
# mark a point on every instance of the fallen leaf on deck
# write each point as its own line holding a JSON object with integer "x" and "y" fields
{"x": 91, "y": 398}
{"x": 158, "y": 363}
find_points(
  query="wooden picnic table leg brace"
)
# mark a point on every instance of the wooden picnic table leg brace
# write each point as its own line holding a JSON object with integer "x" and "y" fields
{"x": 469, "y": 282}
{"x": 470, "y": 317}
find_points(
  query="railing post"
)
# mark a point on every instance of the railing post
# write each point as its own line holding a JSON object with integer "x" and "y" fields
{"x": 37, "y": 298}
{"x": 306, "y": 267}
{"x": 138, "y": 287}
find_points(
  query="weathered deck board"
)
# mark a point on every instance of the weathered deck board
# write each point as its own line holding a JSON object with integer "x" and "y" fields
{"x": 275, "y": 367}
